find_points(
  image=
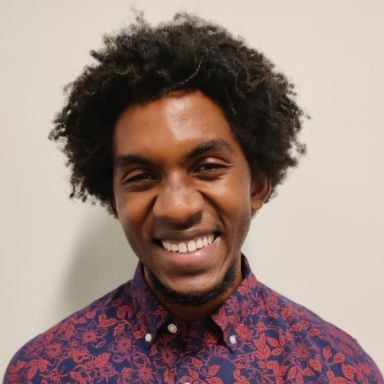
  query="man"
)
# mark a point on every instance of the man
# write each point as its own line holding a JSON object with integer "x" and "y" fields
{"x": 183, "y": 133}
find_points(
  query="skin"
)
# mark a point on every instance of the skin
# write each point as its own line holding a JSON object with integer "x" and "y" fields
{"x": 179, "y": 174}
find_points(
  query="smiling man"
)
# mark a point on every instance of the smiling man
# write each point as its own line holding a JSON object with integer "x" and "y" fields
{"x": 184, "y": 196}
{"x": 183, "y": 133}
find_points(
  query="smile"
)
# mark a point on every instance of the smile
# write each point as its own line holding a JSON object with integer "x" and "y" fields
{"x": 188, "y": 246}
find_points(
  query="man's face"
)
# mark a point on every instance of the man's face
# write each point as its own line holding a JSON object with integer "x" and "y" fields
{"x": 183, "y": 194}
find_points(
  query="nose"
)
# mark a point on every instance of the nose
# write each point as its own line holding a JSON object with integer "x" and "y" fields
{"x": 178, "y": 202}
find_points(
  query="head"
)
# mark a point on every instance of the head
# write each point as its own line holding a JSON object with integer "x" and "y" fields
{"x": 164, "y": 73}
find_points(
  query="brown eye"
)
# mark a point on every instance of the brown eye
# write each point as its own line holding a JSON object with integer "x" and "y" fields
{"x": 210, "y": 171}
{"x": 140, "y": 177}
{"x": 209, "y": 167}
{"x": 139, "y": 180}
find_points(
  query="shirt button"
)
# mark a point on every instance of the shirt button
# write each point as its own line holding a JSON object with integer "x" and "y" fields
{"x": 148, "y": 337}
{"x": 172, "y": 328}
{"x": 232, "y": 339}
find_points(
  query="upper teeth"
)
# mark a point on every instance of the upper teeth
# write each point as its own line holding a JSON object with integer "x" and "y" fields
{"x": 188, "y": 246}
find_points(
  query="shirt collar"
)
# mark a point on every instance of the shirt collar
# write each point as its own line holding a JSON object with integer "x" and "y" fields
{"x": 230, "y": 317}
{"x": 145, "y": 303}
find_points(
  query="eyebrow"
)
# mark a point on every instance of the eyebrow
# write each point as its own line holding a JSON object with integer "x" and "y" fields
{"x": 123, "y": 160}
{"x": 211, "y": 145}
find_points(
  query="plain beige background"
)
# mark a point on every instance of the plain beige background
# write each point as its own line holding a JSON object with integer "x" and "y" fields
{"x": 319, "y": 242}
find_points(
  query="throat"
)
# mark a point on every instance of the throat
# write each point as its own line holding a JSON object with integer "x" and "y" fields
{"x": 190, "y": 314}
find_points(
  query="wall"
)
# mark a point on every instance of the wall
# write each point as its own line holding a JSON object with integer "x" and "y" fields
{"x": 319, "y": 242}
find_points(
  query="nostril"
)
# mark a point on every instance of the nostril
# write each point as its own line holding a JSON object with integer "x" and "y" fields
{"x": 176, "y": 223}
{"x": 180, "y": 208}
{"x": 186, "y": 222}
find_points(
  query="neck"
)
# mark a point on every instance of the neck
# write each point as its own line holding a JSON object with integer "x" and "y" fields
{"x": 190, "y": 314}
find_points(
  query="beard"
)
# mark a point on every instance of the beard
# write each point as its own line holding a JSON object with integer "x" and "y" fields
{"x": 192, "y": 299}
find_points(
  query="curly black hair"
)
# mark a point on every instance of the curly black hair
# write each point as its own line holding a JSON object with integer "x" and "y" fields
{"x": 142, "y": 63}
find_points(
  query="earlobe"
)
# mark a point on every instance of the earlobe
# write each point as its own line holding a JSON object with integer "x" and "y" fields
{"x": 261, "y": 191}
{"x": 112, "y": 207}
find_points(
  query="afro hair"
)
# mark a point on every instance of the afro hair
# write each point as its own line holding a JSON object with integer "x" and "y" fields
{"x": 142, "y": 63}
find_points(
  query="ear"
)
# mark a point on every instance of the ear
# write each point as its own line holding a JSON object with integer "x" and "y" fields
{"x": 112, "y": 207}
{"x": 260, "y": 191}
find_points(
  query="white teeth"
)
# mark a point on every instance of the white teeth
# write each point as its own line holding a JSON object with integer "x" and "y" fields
{"x": 182, "y": 247}
{"x": 190, "y": 246}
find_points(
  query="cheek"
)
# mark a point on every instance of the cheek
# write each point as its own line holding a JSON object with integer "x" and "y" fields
{"x": 134, "y": 235}
{"x": 237, "y": 194}
{"x": 130, "y": 207}
{"x": 131, "y": 215}
{"x": 234, "y": 204}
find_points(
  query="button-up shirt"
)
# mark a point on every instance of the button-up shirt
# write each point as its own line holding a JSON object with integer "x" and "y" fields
{"x": 256, "y": 336}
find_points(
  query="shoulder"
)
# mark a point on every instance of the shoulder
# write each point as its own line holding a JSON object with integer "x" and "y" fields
{"x": 62, "y": 342}
{"x": 318, "y": 346}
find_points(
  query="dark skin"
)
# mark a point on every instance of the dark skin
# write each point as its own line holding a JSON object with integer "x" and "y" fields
{"x": 184, "y": 197}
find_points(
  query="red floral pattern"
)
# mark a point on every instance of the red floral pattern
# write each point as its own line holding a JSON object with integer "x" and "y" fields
{"x": 257, "y": 336}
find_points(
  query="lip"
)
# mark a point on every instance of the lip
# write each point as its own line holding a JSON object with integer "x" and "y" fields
{"x": 190, "y": 262}
{"x": 179, "y": 236}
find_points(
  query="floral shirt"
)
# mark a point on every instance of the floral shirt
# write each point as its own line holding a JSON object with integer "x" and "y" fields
{"x": 257, "y": 336}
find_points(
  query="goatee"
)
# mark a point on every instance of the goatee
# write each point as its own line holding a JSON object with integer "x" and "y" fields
{"x": 192, "y": 299}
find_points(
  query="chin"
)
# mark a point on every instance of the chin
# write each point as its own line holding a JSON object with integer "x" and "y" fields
{"x": 197, "y": 298}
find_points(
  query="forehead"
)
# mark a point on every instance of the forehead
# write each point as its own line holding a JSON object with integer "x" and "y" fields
{"x": 175, "y": 121}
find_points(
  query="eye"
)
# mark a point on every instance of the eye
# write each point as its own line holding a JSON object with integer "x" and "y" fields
{"x": 139, "y": 179}
{"x": 140, "y": 176}
{"x": 210, "y": 170}
{"x": 208, "y": 167}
